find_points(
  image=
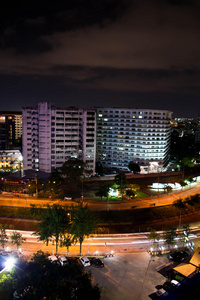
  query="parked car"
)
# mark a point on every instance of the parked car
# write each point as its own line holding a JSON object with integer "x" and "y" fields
{"x": 85, "y": 261}
{"x": 53, "y": 258}
{"x": 161, "y": 292}
{"x": 167, "y": 285}
{"x": 96, "y": 262}
{"x": 63, "y": 260}
{"x": 175, "y": 282}
{"x": 178, "y": 256}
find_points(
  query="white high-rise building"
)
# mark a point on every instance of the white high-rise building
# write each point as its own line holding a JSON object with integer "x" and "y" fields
{"x": 139, "y": 135}
{"x": 53, "y": 135}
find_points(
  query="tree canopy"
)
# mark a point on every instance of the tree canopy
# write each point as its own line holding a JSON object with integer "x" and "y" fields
{"x": 41, "y": 279}
{"x": 84, "y": 223}
{"x": 135, "y": 168}
{"x": 72, "y": 172}
{"x": 54, "y": 224}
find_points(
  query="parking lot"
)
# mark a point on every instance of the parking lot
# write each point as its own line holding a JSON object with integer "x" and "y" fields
{"x": 129, "y": 276}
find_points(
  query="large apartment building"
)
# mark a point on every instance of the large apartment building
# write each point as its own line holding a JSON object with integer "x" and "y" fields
{"x": 139, "y": 135}
{"x": 52, "y": 135}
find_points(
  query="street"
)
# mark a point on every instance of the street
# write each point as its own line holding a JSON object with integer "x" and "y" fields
{"x": 99, "y": 245}
{"x": 97, "y": 206}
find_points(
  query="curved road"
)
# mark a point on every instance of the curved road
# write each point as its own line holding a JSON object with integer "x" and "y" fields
{"x": 93, "y": 205}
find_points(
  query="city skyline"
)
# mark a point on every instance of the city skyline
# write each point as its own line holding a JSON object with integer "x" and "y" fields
{"x": 104, "y": 54}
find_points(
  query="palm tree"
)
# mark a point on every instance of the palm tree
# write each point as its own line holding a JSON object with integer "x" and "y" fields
{"x": 54, "y": 224}
{"x": 169, "y": 236}
{"x": 153, "y": 236}
{"x": 17, "y": 239}
{"x": 84, "y": 223}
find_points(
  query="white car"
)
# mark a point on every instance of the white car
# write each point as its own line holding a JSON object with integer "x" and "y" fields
{"x": 63, "y": 260}
{"x": 85, "y": 261}
{"x": 175, "y": 282}
{"x": 53, "y": 258}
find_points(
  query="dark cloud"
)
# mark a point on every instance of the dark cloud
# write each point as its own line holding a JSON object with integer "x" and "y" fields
{"x": 24, "y": 24}
{"x": 108, "y": 52}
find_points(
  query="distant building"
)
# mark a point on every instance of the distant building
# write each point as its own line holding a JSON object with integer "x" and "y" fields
{"x": 184, "y": 126}
{"x": 11, "y": 159}
{"x": 139, "y": 135}
{"x": 53, "y": 135}
{"x": 10, "y": 129}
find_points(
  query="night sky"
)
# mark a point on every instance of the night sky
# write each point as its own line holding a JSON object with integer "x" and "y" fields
{"x": 108, "y": 53}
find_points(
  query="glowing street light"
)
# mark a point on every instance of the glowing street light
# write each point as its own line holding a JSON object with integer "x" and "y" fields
{"x": 9, "y": 264}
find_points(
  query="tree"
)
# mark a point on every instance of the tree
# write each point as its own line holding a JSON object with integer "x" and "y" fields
{"x": 190, "y": 179}
{"x": 6, "y": 287}
{"x": 67, "y": 242}
{"x": 84, "y": 222}
{"x": 135, "y": 168}
{"x": 120, "y": 180}
{"x": 103, "y": 191}
{"x": 33, "y": 187}
{"x": 17, "y": 239}
{"x": 183, "y": 234}
{"x": 3, "y": 236}
{"x": 72, "y": 172}
{"x": 187, "y": 162}
{"x": 134, "y": 187}
{"x": 41, "y": 279}
{"x": 55, "y": 177}
{"x": 99, "y": 168}
{"x": 130, "y": 193}
{"x": 153, "y": 236}
{"x": 169, "y": 236}
{"x": 168, "y": 189}
{"x": 182, "y": 183}
{"x": 179, "y": 203}
{"x": 53, "y": 225}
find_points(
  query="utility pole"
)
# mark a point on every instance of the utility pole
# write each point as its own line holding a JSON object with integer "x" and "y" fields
{"x": 36, "y": 182}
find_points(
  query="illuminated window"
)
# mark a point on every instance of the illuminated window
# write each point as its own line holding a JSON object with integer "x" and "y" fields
{"x": 2, "y": 119}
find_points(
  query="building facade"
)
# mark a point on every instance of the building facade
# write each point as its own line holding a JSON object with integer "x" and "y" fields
{"x": 139, "y": 135}
{"x": 10, "y": 159}
{"x": 53, "y": 135}
{"x": 10, "y": 129}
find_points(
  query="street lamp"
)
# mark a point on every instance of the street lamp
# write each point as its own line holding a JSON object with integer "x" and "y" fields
{"x": 69, "y": 215}
{"x": 9, "y": 264}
